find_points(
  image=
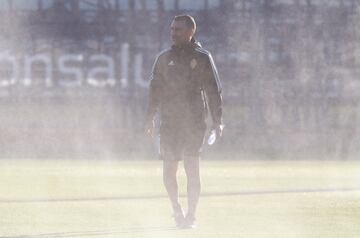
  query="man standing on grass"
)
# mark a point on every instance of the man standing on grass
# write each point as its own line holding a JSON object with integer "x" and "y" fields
{"x": 184, "y": 84}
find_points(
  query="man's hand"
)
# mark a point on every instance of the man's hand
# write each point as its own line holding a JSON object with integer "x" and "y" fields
{"x": 150, "y": 128}
{"x": 218, "y": 129}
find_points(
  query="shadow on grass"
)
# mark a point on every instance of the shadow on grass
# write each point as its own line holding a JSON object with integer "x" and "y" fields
{"x": 95, "y": 233}
{"x": 161, "y": 196}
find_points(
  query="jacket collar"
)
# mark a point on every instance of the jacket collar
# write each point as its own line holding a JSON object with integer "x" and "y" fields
{"x": 188, "y": 46}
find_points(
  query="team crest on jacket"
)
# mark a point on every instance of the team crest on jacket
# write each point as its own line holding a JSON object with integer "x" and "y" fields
{"x": 193, "y": 63}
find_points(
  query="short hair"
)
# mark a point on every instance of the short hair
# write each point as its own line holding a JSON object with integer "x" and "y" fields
{"x": 189, "y": 21}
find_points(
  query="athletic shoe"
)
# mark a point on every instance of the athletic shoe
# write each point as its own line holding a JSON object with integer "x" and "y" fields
{"x": 189, "y": 222}
{"x": 179, "y": 218}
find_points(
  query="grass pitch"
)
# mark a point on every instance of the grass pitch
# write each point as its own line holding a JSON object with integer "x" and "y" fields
{"x": 66, "y": 198}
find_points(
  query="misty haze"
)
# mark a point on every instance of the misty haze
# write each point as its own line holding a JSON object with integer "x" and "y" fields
{"x": 74, "y": 92}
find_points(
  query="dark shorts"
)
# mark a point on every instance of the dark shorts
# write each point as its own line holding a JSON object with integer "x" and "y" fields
{"x": 177, "y": 142}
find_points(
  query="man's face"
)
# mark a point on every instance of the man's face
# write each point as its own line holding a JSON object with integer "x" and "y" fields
{"x": 180, "y": 33}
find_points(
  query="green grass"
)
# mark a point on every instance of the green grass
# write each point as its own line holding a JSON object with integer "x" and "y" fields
{"x": 63, "y": 198}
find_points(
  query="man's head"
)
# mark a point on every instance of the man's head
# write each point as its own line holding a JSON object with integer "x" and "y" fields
{"x": 183, "y": 28}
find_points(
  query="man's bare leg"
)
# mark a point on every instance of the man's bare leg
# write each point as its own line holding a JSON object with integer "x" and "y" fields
{"x": 170, "y": 168}
{"x": 192, "y": 169}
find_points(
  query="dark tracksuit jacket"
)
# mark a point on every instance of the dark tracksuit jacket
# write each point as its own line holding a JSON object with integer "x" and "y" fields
{"x": 184, "y": 83}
